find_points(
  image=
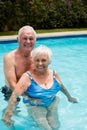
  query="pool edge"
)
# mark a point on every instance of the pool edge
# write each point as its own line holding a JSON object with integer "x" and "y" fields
{"x": 47, "y": 35}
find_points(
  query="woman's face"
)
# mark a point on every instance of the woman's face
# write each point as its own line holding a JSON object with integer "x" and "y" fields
{"x": 41, "y": 62}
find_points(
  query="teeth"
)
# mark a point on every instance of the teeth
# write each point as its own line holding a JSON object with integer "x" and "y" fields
{"x": 40, "y": 67}
{"x": 26, "y": 45}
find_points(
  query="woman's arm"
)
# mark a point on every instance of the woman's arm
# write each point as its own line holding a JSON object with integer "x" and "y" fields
{"x": 10, "y": 108}
{"x": 21, "y": 86}
{"x": 64, "y": 90}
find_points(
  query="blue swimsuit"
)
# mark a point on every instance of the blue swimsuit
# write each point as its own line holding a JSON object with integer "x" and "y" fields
{"x": 39, "y": 96}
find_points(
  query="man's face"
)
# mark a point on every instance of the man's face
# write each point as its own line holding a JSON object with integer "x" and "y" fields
{"x": 27, "y": 40}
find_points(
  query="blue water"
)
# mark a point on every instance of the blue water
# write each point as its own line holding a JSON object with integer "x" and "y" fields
{"x": 70, "y": 60}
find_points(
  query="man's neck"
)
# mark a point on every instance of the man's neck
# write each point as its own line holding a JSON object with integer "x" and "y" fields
{"x": 24, "y": 53}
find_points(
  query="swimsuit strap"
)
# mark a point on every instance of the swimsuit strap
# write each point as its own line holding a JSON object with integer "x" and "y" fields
{"x": 54, "y": 76}
{"x": 29, "y": 75}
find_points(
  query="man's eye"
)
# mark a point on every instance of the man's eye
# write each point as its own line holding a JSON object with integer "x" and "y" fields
{"x": 25, "y": 38}
{"x": 31, "y": 38}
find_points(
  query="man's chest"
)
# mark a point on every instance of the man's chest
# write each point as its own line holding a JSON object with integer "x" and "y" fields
{"x": 21, "y": 67}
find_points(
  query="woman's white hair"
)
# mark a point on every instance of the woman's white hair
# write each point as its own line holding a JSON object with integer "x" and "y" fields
{"x": 25, "y": 28}
{"x": 42, "y": 50}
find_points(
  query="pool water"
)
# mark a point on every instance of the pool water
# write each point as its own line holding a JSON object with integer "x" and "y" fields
{"x": 70, "y": 60}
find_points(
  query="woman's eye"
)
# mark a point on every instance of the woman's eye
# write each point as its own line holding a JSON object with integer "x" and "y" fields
{"x": 37, "y": 60}
{"x": 43, "y": 60}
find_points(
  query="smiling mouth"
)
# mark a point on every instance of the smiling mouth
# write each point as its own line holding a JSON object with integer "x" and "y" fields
{"x": 27, "y": 45}
{"x": 41, "y": 67}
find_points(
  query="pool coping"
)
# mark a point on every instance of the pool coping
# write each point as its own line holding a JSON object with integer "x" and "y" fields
{"x": 48, "y": 35}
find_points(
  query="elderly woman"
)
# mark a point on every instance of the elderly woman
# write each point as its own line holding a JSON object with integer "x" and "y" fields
{"x": 40, "y": 87}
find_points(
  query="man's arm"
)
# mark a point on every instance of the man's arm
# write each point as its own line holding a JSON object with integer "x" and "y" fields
{"x": 9, "y": 70}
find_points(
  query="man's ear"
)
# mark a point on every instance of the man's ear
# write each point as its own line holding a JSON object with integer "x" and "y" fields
{"x": 17, "y": 38}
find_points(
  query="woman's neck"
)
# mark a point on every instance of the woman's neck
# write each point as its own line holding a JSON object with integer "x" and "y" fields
{"x": 41, "y": 73}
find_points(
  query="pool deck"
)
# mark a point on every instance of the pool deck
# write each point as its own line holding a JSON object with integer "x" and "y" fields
{"x": 45, "y": 35}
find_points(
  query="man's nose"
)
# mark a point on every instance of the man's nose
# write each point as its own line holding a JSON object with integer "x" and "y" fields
{"x": 28, "y": 40}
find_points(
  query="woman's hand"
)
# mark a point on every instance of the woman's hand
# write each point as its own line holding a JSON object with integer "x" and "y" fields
{"x": 7, "y": 118}
{"x": 73, "y": 100}
{"x": 9, "y": 110}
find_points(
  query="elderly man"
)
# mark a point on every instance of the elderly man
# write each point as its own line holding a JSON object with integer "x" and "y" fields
{"x": 18, "y": 61}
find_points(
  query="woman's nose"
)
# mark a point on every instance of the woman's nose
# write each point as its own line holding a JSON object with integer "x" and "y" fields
{"x": 40, "y": 62}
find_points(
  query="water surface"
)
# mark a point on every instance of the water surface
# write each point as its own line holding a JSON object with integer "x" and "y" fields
{"x": 70, "y": 60}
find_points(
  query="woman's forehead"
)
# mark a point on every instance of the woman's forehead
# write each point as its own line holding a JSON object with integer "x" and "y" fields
{"x": 41, "y": 56}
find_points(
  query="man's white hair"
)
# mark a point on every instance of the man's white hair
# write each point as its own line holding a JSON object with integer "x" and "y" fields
{"x": 25, "y": 28}
{"x": 42, "y": 50}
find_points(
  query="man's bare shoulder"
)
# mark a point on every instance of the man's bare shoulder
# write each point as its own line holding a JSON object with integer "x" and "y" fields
{"x": 10, "y": 55}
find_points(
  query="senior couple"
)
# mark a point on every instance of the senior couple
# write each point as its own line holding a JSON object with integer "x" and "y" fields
{"x": 27, "y": 73}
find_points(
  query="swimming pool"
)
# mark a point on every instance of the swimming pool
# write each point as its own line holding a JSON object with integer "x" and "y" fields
{"x": 70, "y": 60}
